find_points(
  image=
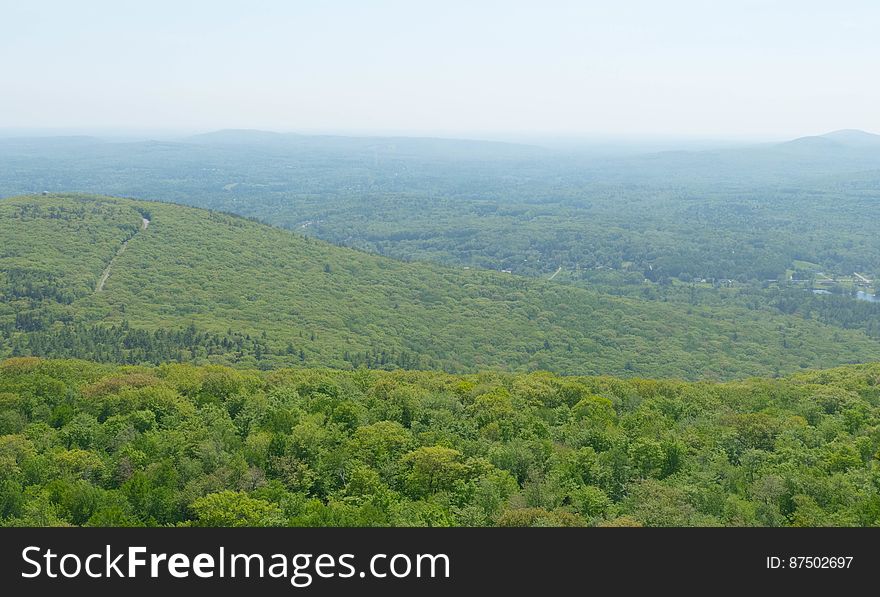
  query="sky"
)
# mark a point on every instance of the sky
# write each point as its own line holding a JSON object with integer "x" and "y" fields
{"x": 707, "y": 68}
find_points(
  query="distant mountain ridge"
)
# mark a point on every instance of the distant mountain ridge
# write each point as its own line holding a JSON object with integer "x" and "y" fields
{"x": 405, "y": 145}
{"x": 853, "y": 138}
{"x": 236, "y": 136}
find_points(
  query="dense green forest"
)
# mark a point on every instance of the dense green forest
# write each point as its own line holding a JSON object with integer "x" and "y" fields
{"x": 743, "y": 214}
{"x": 81, "y": 276}
{"x": 178, "y": 366}
{"x": 91, "y": 444}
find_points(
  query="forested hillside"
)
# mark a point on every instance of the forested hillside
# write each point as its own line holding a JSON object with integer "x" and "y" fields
{"x": 99, "y": 445}
{"x": 207, "y": 287}
{"x": 748, "y": 213}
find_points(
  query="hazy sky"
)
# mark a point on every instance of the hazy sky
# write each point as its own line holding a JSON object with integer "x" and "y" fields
{"x": 681, "y": 67}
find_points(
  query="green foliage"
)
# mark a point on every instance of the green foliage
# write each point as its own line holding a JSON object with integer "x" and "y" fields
{"x": 740, "y": 214}
{"x": 232, "y": 509}
{"x": 88, "y": 444}
{"x": 204, "y": 287}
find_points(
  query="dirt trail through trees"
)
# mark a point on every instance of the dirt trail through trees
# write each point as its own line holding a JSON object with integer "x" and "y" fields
{"x": 103, "y": 280}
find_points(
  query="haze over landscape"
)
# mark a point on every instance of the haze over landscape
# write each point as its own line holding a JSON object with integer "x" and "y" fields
{"x": 684, "y": 68}
{"x": 466, "y": 264}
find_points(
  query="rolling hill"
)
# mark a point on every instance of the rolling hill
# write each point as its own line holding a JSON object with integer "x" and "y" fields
{"x": 742, "y": 212}
{"x": 205, "y": 286}
{"x": 854, "y": 138}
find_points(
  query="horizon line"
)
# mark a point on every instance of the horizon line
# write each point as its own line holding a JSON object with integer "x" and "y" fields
{"x": 111, "y": 131}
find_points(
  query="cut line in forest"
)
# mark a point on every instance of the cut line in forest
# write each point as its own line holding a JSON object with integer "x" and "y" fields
{"x": 106, "y": 273}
